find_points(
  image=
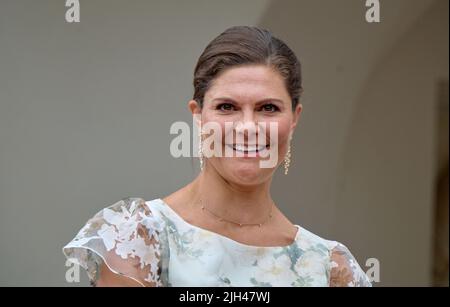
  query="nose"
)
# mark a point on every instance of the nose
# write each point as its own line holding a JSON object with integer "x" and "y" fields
{"x": 247, "y": 127}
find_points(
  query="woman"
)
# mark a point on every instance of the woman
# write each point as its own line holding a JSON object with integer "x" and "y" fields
{"x": 223, "y": 228}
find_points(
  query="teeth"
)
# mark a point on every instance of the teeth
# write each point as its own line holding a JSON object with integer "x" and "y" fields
{"x": 248, "y": 148}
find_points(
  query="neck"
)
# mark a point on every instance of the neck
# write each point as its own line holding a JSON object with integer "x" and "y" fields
{"x": 247, "y": 204}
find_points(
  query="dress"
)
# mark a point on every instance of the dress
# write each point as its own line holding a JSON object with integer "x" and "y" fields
{"x": 147, "y": 241}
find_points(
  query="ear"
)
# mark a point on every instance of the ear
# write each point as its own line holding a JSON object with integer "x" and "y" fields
{"x": 296, "y": 119}
{"x": 196, "y": 111}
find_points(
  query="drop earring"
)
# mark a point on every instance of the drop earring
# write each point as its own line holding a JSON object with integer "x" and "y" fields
{"x": 287, "y": 158}
{"x": 200, "y": 150}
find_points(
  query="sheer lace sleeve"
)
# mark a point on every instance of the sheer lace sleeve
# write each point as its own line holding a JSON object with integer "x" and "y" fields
{"x": 345, "y": 270}
{"x": 125, "y": 238}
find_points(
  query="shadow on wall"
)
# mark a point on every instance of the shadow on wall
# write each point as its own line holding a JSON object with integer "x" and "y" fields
{"x": 441, "y": 227}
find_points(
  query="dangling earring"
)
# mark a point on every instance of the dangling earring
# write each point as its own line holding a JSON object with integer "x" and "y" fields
{"x": 200, "y": 150}
{"x": 287, "y": 158}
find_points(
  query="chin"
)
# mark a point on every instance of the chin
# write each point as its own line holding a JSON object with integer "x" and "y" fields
{"x": 247, "y": 173}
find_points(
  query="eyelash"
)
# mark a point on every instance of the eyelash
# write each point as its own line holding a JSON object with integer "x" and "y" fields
{"x": 275, "y": 108}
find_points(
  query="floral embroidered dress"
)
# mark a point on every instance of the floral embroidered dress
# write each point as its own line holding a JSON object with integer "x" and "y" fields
{"x": 150, "y": 243}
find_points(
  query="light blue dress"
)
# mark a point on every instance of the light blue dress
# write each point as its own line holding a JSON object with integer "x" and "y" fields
{"x": 150, "y": 243}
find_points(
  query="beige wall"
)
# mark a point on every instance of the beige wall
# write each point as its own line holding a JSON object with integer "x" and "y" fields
{"x": 85, "y": 112}
{"x": 364, "y": 154}
{"x": 388, "y": 166}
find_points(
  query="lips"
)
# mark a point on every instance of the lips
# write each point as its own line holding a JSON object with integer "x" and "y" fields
{"x": 247, "y": 148}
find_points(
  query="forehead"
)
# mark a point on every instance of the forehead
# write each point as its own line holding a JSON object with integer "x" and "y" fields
{"x": 249, "y": 83}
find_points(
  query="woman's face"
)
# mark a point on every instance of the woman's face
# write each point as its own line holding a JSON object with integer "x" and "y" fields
{"x": 247, "y": 102}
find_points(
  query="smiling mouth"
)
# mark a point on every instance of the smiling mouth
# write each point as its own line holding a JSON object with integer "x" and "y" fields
{"x": 248, "y": 148}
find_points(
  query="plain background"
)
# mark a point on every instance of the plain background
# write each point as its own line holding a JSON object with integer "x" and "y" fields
{"x": 85, "y": 112}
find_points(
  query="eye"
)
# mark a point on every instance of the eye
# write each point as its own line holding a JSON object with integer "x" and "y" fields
{"x": 270, "y": 107}
{"x": 225, "y": 107}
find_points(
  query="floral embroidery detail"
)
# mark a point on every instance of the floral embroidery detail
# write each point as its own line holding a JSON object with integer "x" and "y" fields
{"x": 259, "y": 283}
{"x": 125, "y": 237}
{"x": 345, "y": 271}
{"x": 142, "y": 240}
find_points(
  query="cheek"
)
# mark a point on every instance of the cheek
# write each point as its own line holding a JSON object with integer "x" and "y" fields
{"x": 280, "y": 135}
{"x": 284, "y": 130}
{"x": 214, "y": 136}
{"x": 220, "y": 123}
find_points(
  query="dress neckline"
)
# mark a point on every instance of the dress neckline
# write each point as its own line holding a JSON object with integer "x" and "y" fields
{"x": 236, "y": 243}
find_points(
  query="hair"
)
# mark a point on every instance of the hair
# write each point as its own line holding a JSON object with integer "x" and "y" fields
{"x": 247, "y": 45}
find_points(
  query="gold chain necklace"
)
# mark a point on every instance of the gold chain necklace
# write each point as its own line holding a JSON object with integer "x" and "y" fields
{"x": 234, "y": 222}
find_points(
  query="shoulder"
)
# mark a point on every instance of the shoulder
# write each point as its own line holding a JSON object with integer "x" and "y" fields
{"x": 309, "y": 239}
{"x": 344, "y": 269}
{"x": 119, "y": 219}
{"x": 129, "y": 211}
{"x": 123, "y": 237}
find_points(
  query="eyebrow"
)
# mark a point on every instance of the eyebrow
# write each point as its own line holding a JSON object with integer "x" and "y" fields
{"x": 258, "y": 102}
